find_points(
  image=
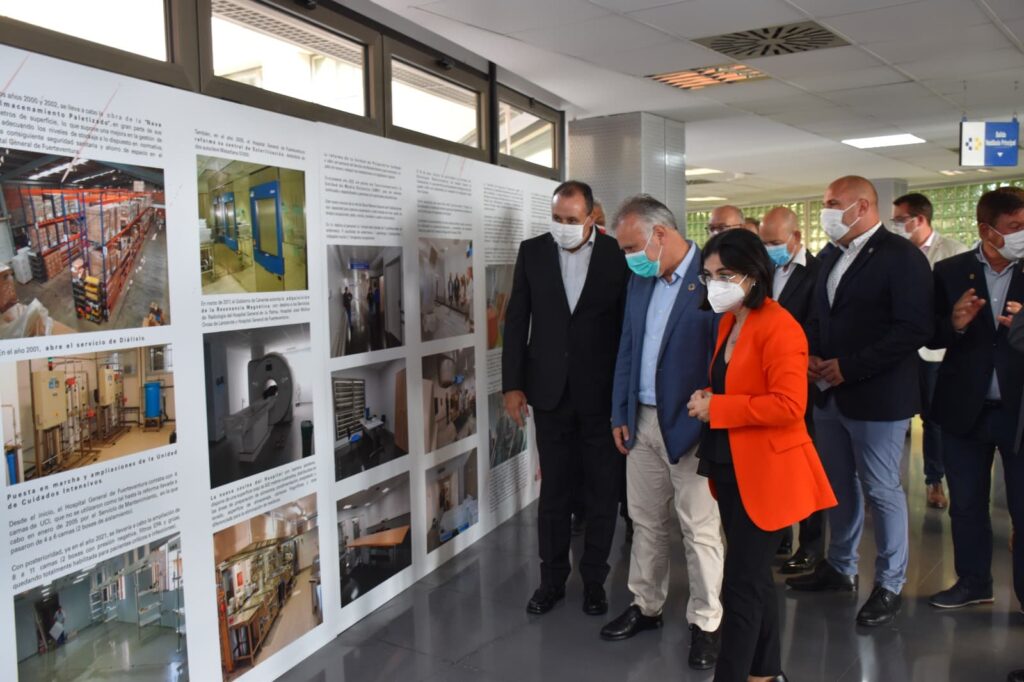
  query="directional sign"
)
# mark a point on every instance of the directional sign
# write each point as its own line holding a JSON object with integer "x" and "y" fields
{"x": 989, "y": 143}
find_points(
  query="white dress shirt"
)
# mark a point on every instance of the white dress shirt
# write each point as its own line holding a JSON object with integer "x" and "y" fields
{"x": 782, "y": 273}
{"x": 574, "y": 268}
{"x": 849, "y": 254}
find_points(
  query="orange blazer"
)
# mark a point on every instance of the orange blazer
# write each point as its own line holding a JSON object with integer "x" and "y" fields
{"x": 778, "y": 472}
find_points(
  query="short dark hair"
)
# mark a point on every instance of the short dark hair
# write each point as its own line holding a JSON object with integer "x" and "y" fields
{"x": 742, "y": 252}
{"x": 918, "y": 205}
{"x": 572, "y": 188}
{"x": 998, "y": 202}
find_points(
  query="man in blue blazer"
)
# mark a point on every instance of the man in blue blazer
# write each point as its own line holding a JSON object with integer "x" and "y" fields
{"x": 664, "y": 353}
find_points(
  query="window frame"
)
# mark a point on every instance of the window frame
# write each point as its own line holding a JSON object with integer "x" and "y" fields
{"x": 318, "y": 17}
{"x": 545, "y": 113}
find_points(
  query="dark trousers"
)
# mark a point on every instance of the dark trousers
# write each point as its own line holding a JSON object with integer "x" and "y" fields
{"x": 932, "y": 445}
{"x": 812, "y": 529}
{"x": 750, "y": 624}
{"x": 573, "y": 448}
{"x": 969, "y": 476}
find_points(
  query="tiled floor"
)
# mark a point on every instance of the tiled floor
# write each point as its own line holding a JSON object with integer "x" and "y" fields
{"x": 467, "y": 622}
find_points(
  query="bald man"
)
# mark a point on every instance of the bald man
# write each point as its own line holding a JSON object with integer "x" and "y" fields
{"x": 872, "y": 309}
{"x": 725, "y": 218}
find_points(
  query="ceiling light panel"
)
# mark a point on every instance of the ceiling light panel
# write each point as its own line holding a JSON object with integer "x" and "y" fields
{"x": 707, "y": 76}
{"x": 883, "y": 141}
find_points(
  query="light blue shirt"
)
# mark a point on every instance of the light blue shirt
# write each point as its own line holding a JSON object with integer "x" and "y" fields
{"x": 998, "y": 284}
{"x": 662, "y": 300}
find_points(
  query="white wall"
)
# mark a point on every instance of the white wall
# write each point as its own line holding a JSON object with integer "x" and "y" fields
{"x": 308, "y": 547}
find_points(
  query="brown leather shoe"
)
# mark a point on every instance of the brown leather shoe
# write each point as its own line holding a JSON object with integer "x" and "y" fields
{"x": 937, "y": 496}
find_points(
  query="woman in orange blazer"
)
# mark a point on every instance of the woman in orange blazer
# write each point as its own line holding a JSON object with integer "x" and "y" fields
{"x": 756, "y": 451}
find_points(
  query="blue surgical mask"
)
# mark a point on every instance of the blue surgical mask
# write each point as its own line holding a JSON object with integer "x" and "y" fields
{"x": 641, "y": 265}
{"x": 779, "y": 254}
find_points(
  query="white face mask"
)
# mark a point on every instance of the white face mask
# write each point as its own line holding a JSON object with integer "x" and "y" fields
{"x": 900, "y": 228}
{"x": 567, "y": 236}
{"x": 1013, "y": 246}
{"x": 832, "y": 222}
{"x": 725, "y": 296}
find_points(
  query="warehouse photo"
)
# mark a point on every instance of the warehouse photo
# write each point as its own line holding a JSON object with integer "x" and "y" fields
{"x": 446, "y": 288}
{"x": 374, "y": 542}
{"x": 82, "y": 245}
{"x": 453, "y": 499}
{"x": 67, "y": 412}
{"x": 259, "y": 400}
{"x": 449, "y": 397}
{"x": 122, "y": 618}
{"x": 371, "y": 416}
{"x": 252, "y": 227}
{"x": 268, "y": 583}
{"x": 364, "y": 293}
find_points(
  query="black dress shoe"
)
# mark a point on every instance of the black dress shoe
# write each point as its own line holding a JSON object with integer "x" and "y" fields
{"x": 544, "y": 599}
{"x": 704, "y": 648}
{"x": 1016, "y": 676}
{"x": 822, "y": 579}
{"x": 880, "y": 608}
{"x": 595, "y": 603}
{"x": 801, "y": 562}
{"x": 961, "y": 595}
{"x": 631, "y": 622}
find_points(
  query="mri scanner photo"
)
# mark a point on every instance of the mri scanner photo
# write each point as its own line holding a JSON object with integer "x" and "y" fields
{"x": 259, "y": 408}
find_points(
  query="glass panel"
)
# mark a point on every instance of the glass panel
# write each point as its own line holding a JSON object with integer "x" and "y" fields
{"x": 137, "y": 26}
{"x": 430, "y": 105}
{"x": 266, "y": 212}
{"x": 525, "y": 136}
{"x": 270, "y": 50}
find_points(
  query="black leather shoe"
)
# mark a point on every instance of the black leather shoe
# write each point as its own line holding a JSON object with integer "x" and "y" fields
{"x": 823, "y": 578}
{"x": 631, "y": 622}
{"x": 1016, "y": 676}
{"x": 880, "y": 608}
{"x": 703, "y": 648}
{"x": 801, "y": 562}
{"x": 960, "y": 595}
{"x": 544, "y": 599}
{"x": 595, "y": 603}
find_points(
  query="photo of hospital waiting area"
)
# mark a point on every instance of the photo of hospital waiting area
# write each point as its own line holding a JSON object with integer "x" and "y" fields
{"x": 252, "y": 227}
{"x": 371, "y": 416}
{"x": 268, "y": 583}
{"x": 120, "y": 619}
{"x": 66, "y": 412}
{"x": 364, "y": 293}
{"x": 453, "y": 499}
{"x": 449, "y": 397}
{"x": 374, "y": 542}
{"x": 259, "y": 400}
{"x": 446, "y": 288}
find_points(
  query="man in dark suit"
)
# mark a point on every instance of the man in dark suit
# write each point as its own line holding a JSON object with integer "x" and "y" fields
{"x": 796, "y": 273}
{"x": 871, "y": 311}
{"x": 978, "y": 393}
{"x": 664, "y": 356}
{"x": 561, "y": 338}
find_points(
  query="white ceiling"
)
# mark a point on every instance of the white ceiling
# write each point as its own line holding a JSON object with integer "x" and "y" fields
{"x": 905, "y": 70}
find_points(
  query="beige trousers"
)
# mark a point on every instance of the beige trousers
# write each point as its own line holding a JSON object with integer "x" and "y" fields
{"x": 655, "y": 488}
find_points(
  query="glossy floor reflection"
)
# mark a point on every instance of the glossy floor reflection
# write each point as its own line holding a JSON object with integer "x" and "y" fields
{"x": 466, "y": 621}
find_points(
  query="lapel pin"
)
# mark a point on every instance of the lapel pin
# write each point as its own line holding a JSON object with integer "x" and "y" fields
{"x": 691, "y": 287}
{"x": 970, "y": 276}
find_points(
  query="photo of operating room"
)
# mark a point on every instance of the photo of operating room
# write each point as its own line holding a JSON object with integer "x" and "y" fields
{"x": 446, "y": 288}
{"x": 259, "y": 400}
{"x": 506, "y": 438}
{"x": 365, "y": 307}
{"x": 499, "y": 289}
{"x": 453, "y": 499}
{"x": 371, "y": 416}
{"x": 449, "y": 397}
{"x": 374, "y": 542}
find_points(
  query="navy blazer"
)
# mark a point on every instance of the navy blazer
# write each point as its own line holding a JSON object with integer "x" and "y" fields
{"x": 882, "y": 314}
{"x": 683, "y": 361}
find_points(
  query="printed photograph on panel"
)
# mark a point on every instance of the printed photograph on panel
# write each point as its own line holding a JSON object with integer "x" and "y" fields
{"x": 371, "y": 417}
{"x": 268, "y": 583}
{"x": 252, "y": 227}
{"x": 452, "y": 499}
{"x": 506, "y": 438}
{"x": 499, "y": 289}
{"x": 122, "y": 618}
{"x": 259, "y": 400}
{"x": 70, "y": 411}
{"x": 374, "y": 542}
{"x": 86, "y": 249}
{"x": 449, "y": 397}
{"x": 364, "y": 298}
{"x": 446, "y": 288}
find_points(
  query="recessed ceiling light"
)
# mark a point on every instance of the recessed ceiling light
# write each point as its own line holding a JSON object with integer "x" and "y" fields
{"x": 983, "y": 170}
{"x": 346, "y": 507}
{"x": 952, "y": 172}
{"x": 707, "y": 76}
{"x": 883, "y": 141}
{"x": 707, "y": 198}
{"x": 694, "y": 172}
